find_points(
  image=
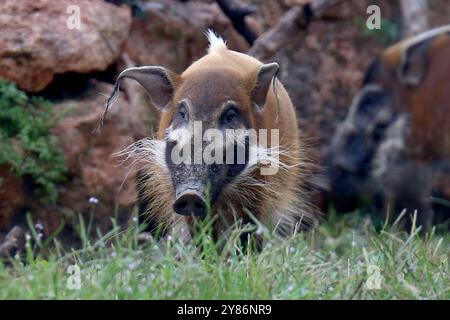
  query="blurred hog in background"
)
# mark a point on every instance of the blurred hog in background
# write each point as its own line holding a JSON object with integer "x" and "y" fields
{"x": 394, "y": 145}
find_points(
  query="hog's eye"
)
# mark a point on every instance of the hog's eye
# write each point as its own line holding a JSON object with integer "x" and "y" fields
{"x": 183, "y": 112}
{"x": 229, "y": 116}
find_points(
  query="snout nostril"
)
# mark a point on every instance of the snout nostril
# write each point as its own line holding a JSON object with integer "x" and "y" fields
{"x": 199, "y": 205}
{"x": 182, "y": 204}
{"x": 190, "y": 203}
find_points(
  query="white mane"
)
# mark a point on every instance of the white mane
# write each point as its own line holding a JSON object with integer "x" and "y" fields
{"x": 216, "y": 42}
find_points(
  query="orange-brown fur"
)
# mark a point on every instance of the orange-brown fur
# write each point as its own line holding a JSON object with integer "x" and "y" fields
{"x": 279, "y": 200}
{"x": 428, "y": 103}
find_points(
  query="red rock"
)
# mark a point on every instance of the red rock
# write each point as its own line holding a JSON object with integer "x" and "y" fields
{"x": 171, "y": 33}
{"x": 36, "y": 44}
{"x": 93, "y": 169}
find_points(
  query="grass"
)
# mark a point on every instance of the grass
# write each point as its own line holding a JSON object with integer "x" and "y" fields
{"x": 337, "y": 260}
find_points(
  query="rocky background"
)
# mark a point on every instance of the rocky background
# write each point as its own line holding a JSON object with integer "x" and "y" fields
{"x": 322, "y": 66}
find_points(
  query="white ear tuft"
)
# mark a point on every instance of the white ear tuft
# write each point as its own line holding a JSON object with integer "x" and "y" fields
{"x": 216, "y": 42}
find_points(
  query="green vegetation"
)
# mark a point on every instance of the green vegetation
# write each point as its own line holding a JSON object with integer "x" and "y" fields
{"x": 337, "y": 260}
{"x": 26, "y": 145}
{"x": 386, "y": 35}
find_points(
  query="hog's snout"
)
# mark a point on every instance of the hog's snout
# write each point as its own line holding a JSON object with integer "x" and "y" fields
{"x": 190, "y": 202}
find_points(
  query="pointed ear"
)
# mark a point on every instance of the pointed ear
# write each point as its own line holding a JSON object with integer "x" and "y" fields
{"x": 414, "y": 63}
{"x": 264, "y": 78}
{"x": 157, "y": 81}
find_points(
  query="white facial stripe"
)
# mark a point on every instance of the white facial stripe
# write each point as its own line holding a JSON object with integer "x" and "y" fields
{"x": 182, "y": 136}
{"x": 229, "y": 102}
